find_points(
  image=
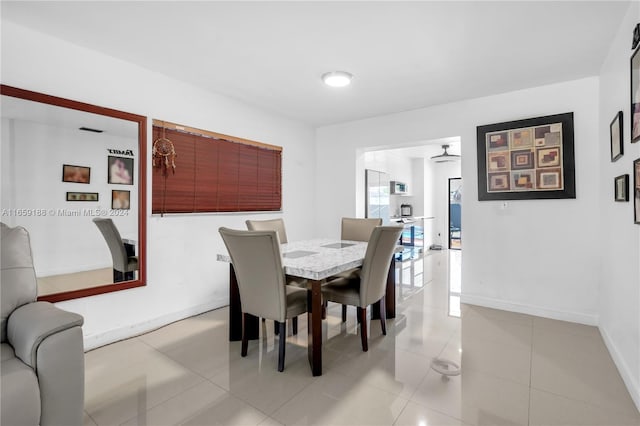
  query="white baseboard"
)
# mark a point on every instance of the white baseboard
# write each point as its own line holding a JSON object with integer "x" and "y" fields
{"x": 538, "y": 311}
{"x": 131, "y": 330}
{"x": 632, "y": 383}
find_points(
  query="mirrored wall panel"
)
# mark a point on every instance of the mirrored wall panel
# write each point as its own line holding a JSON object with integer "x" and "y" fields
{"x": 73, "y": 175}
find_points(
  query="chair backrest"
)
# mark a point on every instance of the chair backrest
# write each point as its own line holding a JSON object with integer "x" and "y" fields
{"x": 356, "y": 229}
{"x": 257, "y": 262}
{"x": 114, "y": 241}
{"x": 269, "y": 225}
{"x": 17, "y": 276}
{"x": 377, "y": 260}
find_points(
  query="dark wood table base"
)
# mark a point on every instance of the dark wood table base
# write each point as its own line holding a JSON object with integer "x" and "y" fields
{"x": 314, "y": 326}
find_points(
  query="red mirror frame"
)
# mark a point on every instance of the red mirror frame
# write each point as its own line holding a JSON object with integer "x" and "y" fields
{"x": 142, "y": 182}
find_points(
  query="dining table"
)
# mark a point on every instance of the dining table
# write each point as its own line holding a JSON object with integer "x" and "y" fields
{"x": 316, "y": 261}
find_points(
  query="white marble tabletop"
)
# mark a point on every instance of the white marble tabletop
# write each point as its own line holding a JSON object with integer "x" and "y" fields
{"x": 319, "y": 258}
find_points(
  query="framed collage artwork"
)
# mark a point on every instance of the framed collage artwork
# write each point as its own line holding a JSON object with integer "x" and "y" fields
{"x": 526, "y": 159}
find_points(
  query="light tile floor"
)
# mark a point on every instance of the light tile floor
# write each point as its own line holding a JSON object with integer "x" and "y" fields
{"x": 517, "y": 369}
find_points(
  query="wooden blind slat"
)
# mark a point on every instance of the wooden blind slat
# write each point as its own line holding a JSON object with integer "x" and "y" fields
{"x": 214, "y": 175}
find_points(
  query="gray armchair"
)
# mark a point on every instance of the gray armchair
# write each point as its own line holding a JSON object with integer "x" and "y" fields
{"x": 42, "y": 350}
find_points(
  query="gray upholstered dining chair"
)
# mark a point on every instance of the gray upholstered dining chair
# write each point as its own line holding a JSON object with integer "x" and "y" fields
{"x": 257, "y": 261}
{"x": 269, "y": 225}
{"x": 358, "y": 229}
{"x": 355, "y": 229}
{"x": 123, "y": 264}
{"x": 368, "y": 286}
{"x": 278, "y": 226}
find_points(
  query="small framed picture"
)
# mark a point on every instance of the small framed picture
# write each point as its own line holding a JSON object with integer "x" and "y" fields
{"x": 635, "y": 96}
{"x": 120, "y": 170}
{"x": 82, "y": 196}
{"x": 120, "y": 200}
{"x": 615, "y": 130}
{"x": 77, "y": 174}
{"x": 636, "y": 191}
{"x": 621, "y": 188}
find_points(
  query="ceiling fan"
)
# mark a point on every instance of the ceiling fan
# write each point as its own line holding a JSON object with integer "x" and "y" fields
{"x": 445, "y": 156}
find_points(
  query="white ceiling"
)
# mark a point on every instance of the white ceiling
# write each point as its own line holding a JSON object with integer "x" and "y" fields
{"x": 404, "y": 55}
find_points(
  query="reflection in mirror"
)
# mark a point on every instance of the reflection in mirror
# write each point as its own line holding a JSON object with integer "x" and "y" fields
{"x": 64, "y": 164}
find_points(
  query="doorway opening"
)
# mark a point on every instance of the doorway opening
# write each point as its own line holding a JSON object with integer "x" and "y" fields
{"x": 455, "y": 213}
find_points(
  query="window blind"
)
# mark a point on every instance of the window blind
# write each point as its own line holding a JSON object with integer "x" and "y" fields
{"x": 215, "y": 174}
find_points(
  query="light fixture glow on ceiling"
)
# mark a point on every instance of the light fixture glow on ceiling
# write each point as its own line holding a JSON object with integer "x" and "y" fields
{"x": 337, "y": 78}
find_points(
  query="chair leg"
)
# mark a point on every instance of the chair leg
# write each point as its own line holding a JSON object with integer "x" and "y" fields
{"x": 344, "y": 313}
{"x": 383, "y": 315}
{"x": 362, "y": 314}
{"x": 118, "y": 276}
{"x": 294, "y": 325}
{"x": 275, "y": 328}
{"x": 325, "y": 303}
{"x": 245, "y": 340}
{"x": 283, "y": 342}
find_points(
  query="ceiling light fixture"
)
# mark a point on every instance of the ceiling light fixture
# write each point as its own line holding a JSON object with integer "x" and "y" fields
{"x": 445, "y": 156}
{"x": 337, "y": 78}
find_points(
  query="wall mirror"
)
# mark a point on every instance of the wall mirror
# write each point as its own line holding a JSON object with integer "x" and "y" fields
{"x": 64, "y": 164}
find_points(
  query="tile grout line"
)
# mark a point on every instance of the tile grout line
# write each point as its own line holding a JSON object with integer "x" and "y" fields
{"x": 89, "y": 415}
{"x": 406, "y": 404}
{"x": 179, "y": 393}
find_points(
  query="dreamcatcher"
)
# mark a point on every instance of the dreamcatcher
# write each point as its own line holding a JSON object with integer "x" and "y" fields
{"x": 164, "y": 154}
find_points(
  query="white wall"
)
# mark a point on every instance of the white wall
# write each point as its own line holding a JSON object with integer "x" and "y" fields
{"x": 183, "y": 275}
{"x": 63, "y": 236}
{"x": 417, "y": 186}
{"x": 533, "y": 257}
{"x": 619, "y": 301}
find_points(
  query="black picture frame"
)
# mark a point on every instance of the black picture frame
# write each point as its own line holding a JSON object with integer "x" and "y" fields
{"x": 83, "y": 196}
{"x": 621, "y": 188}
{"x": 615, "y": 134}
{"x": 76, "y": 174}
{"x": 636, "y": 191}
{"x": 527, "y": 159}
{"x": 634, "y": 122}
{"x": 120, "y": 200}
{"x": 120, "y": 170}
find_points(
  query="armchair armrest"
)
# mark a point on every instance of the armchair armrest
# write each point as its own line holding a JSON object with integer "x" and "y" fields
{"x": 30, "y": 324}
